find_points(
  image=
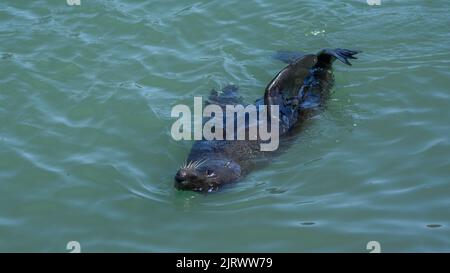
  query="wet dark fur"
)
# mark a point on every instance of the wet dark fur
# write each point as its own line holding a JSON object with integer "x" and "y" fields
{"x": 299, "y": 89}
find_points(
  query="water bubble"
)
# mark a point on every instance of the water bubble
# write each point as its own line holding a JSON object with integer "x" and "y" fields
{"x": 307, "y": 223}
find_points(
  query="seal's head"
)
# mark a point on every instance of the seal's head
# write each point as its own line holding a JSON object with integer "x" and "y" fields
{"x": 206, "y": 175}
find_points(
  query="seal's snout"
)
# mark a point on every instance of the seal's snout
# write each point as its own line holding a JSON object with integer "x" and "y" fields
{"x": 186, "y": 179}
{"x": 181, "y": 176}
{"x": 186, "y": 176}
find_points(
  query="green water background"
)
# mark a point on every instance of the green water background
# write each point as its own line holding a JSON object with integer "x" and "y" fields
{"x": 85, "y": 148}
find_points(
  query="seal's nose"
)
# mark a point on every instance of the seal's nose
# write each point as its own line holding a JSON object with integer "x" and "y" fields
{"x": 181, "y": 176}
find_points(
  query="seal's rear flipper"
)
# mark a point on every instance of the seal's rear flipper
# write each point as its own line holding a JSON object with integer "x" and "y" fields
{"x": 327, "y": 56}
{"x": 288, "y": 56}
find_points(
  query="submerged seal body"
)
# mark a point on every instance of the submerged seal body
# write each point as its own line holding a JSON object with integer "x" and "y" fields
{"x": 300, "y": 88}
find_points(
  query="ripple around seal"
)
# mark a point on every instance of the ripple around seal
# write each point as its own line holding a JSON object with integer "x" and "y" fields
{"x": 85, "y": 100}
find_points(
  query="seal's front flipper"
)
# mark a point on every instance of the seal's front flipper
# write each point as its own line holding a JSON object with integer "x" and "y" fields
{"x": 327, "y": 56}
{"x": 229, "y": 95}
{"x": 288, "y": 56}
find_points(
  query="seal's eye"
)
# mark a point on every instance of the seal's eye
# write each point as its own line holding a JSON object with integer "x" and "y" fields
{"x": 210, "y": 173}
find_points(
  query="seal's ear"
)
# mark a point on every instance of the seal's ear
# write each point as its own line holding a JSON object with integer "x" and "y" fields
{"x": 288, "y": 56}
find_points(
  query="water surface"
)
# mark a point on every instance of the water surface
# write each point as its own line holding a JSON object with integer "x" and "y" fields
{"x": 85, "y": 147}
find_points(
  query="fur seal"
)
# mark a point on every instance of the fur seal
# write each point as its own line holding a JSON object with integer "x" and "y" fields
{"x": 300, "y": 88}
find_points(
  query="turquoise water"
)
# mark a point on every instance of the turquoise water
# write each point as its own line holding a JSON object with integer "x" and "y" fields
{"x": 85, "y": 147}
